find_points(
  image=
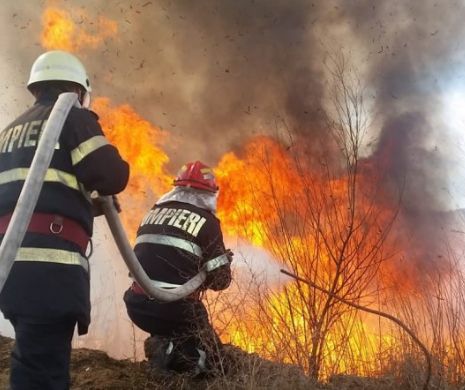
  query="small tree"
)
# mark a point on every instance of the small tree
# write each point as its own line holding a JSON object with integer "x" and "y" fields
{"x": 322, "y": 217}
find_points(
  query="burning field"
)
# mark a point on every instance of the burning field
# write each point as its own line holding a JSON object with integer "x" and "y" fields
{"x": 335, "y": 161}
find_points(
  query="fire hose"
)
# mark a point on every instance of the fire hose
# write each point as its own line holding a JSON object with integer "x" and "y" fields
{"x": 29, "y": 195}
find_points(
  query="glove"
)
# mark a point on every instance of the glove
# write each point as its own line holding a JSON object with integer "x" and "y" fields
{"x": 97, "y": 208}
{"x": 229, "y": 254}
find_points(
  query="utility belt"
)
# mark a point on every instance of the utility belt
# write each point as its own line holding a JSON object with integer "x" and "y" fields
{"x": 53, "y": 225}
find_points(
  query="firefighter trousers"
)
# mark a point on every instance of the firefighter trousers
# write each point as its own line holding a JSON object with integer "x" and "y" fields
{"x": 41, "y": 354}
{"x": 185, "y": 324}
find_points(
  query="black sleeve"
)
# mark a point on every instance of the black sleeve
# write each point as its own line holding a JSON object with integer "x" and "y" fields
{"x": 213, "y": 246}
{"x": 99, "y": 168}
{"x": 219, "y": 279}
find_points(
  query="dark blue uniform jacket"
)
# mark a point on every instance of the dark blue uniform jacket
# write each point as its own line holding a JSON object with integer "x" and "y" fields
{"x": 48, "y": 280}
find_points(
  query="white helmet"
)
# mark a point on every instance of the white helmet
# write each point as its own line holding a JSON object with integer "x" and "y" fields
{"x": 58, "y": 65}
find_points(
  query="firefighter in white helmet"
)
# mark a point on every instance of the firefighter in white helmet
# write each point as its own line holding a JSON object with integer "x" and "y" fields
{"x": 179, "y": 236}
{"x": 47, "y": 291}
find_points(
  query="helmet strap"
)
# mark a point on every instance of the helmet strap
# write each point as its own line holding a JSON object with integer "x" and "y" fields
{"x": 84, "y": 99}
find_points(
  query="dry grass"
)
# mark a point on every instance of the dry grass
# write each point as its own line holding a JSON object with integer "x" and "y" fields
{"x": 94, "y": 370}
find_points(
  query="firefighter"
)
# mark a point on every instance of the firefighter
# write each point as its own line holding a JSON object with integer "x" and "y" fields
{"x": 47, "y": 291}
{"x": 178, "y": 237}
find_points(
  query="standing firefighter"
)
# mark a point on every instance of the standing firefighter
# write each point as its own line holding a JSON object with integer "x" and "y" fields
{"x": 178, "y": 237}
{"x": 47, "y": 291}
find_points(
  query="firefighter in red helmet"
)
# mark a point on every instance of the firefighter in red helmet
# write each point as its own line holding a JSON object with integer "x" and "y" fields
{"x": 179, "y": 236}
{"x": 196, "y": 175}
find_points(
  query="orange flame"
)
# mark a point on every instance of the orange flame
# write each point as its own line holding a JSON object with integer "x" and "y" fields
{"x": 139, "y": 143}
{"x": 63, "y": 32}
{"x": 246, "y": 183}
{"x": 273, "y": 200}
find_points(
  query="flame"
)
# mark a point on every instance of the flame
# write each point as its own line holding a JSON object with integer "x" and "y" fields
{"x": 299, "y": 214}
{"x": 63, "y": 30}
{"x": 139, "y": 143}
{"x": 280, "y": 330}
{"x": 246, "y": 183}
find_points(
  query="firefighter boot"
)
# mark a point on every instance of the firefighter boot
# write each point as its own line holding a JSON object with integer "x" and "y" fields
{"x": 158, "y": 351}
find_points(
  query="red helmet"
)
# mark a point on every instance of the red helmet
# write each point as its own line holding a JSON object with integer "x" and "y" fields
{"x": 196, "y": 175}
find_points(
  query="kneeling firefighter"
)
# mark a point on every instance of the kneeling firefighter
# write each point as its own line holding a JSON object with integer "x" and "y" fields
{"x": 178, "y": 237}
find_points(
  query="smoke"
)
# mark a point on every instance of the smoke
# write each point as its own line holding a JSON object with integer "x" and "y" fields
{"x": 220, "y": 72}
{"x": 214, "y": 73}
{"x": 414, "y": 60}
{"x": 206, "y": 71}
